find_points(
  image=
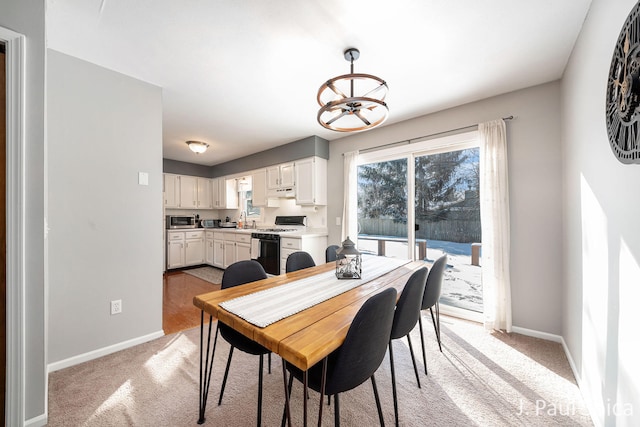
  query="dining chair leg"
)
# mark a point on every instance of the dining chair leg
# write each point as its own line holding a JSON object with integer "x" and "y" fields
{"x": 393, "y": 383}
{"x": 424, "y": 353}
{"x": 226, "y": 374}
{"x": 337, "y": 411}
{"x": 436, "y": 323}
{"x": 413, "y": 359}
{"x": 375, "y": 394}
{"x": 260, "y": 390}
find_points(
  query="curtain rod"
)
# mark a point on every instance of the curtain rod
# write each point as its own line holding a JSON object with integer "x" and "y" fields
{"x": 412, "y": 140}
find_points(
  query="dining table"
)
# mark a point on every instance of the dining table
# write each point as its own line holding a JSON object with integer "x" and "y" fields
{"x": 302, "y": 316}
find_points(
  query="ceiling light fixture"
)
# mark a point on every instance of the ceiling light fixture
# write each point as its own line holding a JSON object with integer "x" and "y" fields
{"x": 352, "y": 113}
{"x": 198, "y": 147}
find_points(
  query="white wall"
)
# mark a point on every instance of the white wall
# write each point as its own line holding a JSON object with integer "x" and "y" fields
{"x": 27, "y": 18}
{"x": 535, "y": 190}
{"x": 105, "y": 239}
{"x": 602, "y": 230}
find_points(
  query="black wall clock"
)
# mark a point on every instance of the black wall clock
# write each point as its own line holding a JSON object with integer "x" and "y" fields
{"x": 623, "y": 92}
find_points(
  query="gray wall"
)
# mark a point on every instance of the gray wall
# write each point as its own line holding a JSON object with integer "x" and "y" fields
{"x": 602, "y": 231}
{"x": 534, "y": 190}
{"x": 105, "y": 239}
{"x": 27, "y": 17}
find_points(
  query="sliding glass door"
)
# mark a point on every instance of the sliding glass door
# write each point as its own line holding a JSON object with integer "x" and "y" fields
{"x": 440, "y": 179}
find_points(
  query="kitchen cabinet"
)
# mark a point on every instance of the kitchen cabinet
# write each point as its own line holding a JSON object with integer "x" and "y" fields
{"x": 185, "y": 248}
{"x": 218, "y": 249}
{"x": 171, "y": 190}
{"x": 243, "y": 246}
{"x": 280, "y": 176}
{"x": 224, "y": 193}
{"x": 208, "y": 247}
{"x": 259, "y": 196}
{"x": 229, "y": 249}
{"x": 188, "y": 192}
{"x": 314, "y": 245}
{"x": 175, "y": 249}
{"x": 311, "y": 181}
{"x": 194, "y": 247}
{"x": 204, "y": 193}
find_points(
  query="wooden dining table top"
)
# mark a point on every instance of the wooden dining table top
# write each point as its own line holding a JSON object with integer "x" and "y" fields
{"x": 305, "y": 338}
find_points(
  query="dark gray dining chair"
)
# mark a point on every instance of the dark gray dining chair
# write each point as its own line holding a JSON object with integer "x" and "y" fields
{"x": 330, "y": 254}
{"x": 430, "y": 300}
{"x": 298, "y": 261}
{"x": 405, "y": 319}
{"x": 357, "y": 359}
{"x": 236, "y": 274}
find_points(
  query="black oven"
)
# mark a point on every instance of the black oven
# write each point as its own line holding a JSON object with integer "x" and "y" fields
{"x": 268, "y": 251}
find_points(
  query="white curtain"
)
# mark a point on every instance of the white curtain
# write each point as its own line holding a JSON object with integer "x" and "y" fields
{"x": 494, "y": 215}
{"x": 350, "y": 207}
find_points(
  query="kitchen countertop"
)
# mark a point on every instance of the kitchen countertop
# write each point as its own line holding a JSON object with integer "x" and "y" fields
{"x": 309, "y": 232}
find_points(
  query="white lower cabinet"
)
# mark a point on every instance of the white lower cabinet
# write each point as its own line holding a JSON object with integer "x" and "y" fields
{"x": 243, "y": 247}
{"x": 314, "y": 245}
{"x": 208, "y": 247}
{"x": 218, "y": 252}
{"x": 185, "y": 248}
{"x": 175, "y": 249}
{"x": 229, "y": 249}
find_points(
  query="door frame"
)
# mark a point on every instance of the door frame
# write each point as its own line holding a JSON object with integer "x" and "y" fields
{"x": 15, "y": 277}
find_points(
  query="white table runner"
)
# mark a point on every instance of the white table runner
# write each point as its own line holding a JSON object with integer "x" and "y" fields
{"x": 263, "y": 308}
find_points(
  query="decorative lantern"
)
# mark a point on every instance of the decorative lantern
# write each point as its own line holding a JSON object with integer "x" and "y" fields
{"x": 349, "y": 262}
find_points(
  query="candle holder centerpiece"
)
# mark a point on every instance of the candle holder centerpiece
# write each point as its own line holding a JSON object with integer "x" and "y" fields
{"x": 349, "y": 262}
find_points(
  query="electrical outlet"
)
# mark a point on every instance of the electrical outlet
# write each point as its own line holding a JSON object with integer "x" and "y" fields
{"x": 116, "y": 306}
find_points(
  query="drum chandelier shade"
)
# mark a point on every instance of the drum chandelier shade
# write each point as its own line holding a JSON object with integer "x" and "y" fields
{"x": 352, "y": 102}
{"x": 198, "y": 147}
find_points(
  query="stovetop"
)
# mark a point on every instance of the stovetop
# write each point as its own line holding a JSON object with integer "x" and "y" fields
{"x": 276, "y": 230}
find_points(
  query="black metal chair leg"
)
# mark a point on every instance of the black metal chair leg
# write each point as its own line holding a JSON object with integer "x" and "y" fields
{"x": 424, "y": 353}
{"x": 260, "y": 390}
{"x": 413, "y": 359}
{"x": 337, "y": 411}
{"x": 375, "y": 394}
{"x": 393, "y": 383}
{"x": 287, "y": 394}
{"x": 436, "y": 324}
{"x": 226, "y": 373}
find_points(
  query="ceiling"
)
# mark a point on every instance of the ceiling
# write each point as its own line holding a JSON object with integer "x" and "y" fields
{"x": 243, "y": 75}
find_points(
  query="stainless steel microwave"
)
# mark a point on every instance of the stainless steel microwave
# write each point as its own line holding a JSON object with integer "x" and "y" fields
{"x": 180, "y": 221}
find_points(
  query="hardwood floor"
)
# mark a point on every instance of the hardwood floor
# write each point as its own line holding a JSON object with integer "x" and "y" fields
{"x": 178, "y": 290}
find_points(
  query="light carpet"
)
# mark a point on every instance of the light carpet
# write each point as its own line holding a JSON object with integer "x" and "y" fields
{"x": 480, "y": 378}
{"x": 210, "y": 274}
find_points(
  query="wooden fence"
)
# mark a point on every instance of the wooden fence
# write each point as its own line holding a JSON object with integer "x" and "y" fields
{"x": 460, "y": 231}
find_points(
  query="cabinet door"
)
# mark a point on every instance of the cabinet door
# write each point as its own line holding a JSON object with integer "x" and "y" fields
{"x": 305, "y": 194}
{"x": 287, "y": 175}
{"x": 171, "y": 188}
{"x": 215, "y": 193}
{"x": 175, "y": 254}
{"x": 259, "y": 188}
{"x": 243, "y": 251}
{"x": 188, "y": 192}
{"x": 194, "y": 251}
{"x": 208, "y": 251}
{"x": 273, "y": 177}
{"x": 218, "y": 253}
{"x": 204, "y": 193}
{"x": 229, "y": 253}
{"x": 231, "y": 194}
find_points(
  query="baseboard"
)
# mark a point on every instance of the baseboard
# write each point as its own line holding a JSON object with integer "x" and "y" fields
{"x": 39, "y": 421}
{"x": 537, "y": 334}
{"x": 52, "y": 367}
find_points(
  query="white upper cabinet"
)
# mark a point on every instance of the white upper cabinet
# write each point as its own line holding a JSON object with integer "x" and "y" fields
{"x": 204, "y": 193}
{"x": 280, "y": 176}
{"x": 188, "y": 192}
{"x": 171, "y": 188}
{"x": 259, "y": 188}
{"x": 311, "y": 181}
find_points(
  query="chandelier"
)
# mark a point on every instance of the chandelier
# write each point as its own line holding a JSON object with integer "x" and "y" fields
{"x": 198, "y": 147}
{"x": 362, "y": 109}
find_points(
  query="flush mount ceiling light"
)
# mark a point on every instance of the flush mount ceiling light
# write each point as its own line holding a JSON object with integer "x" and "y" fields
{"x": 362, "y": 109}
{"x": 198, "y": 147}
